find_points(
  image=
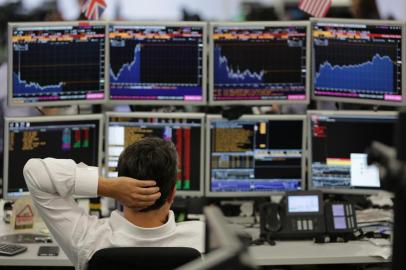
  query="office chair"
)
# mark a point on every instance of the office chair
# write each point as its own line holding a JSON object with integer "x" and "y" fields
{"x": 140, "y": 258}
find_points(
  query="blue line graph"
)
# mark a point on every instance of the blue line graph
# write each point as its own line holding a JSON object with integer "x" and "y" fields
{"x": 376, "y": 75}
{"x": 24, "y": 87}
{"x": 129, "y": 73}
{"x": 224, "y": 74}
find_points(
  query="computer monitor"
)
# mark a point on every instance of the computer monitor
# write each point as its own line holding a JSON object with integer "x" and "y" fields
{"x": 254, "y": 155}
{"x": 337, "y": 144}
{"x": 185, "y": 130}
{"x": 259, "y": 63}
{"x": 358, "y": 61}
{"x": 76, "y": 137}
{"x": 56, "y": 63}
{"x": 157, "y": 63}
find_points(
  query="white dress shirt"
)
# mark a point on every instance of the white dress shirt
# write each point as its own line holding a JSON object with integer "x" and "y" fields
{"x": 53, "y": 182}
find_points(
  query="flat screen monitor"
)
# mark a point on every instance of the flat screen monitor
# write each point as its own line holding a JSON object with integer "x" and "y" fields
{"x": 56, "y": 63}
{"x": 157, "y": 63}
{"x": 254, "y": 155}
{"x": 184, "y": 130}
{"x": 66, "y": 137}
{"x": 259, "y": 63}
{"x": 358, "y": 61}
{"x": 337, "y": 144}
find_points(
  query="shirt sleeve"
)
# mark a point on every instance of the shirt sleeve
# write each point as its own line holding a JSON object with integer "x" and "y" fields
{"x": 52, "y": 184}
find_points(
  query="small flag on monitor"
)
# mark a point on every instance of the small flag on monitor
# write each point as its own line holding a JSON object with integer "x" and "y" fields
{"x": 93, "y": 9}
{"x": 316, "y": 8}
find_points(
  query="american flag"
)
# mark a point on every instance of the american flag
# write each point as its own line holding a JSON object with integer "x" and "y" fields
{"x": 317, "y": 8}
{"x": 93, "y": 9}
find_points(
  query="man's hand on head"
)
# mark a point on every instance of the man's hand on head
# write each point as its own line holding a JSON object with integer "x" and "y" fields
{"x": 132, "y": 193}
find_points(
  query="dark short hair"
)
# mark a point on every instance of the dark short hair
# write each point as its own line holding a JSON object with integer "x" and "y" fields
{"x": 151, "y": 158}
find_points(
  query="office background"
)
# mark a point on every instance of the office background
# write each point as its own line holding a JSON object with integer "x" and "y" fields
{"x": 207, "y": 11}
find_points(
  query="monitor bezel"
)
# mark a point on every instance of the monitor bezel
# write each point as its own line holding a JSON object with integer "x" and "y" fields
{"x": 38, "y": 119}
{"x": 312, "y": 69}
{"x": 165, "y": 24}
{"x": 11, "y": 101}
{"x": 199, "y": 116}
{"x": 258, "y": 24}
{"x": 211, "y": 117}
{"x": 340, "y": 190}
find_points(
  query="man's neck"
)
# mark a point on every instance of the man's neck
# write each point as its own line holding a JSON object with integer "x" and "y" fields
{"x": 150, "y": 219}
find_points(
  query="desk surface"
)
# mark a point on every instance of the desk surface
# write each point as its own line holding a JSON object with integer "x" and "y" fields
{"x": 307, "y": 252}
{"x": 283, "y": 253}
{"x": 30, "y": 257}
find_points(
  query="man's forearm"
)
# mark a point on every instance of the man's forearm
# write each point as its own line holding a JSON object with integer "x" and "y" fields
{"x": 106, "y": 187}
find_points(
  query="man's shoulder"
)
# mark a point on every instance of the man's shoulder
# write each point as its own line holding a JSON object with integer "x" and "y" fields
{"x": 194, "y": 225}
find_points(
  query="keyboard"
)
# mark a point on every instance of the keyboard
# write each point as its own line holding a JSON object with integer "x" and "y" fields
{"x": 11, "y": 249}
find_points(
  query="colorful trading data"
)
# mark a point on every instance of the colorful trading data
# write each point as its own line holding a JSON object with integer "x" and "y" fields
{"x": 358, "y": 61}
{"x": 184, "y": 133}
{"x": 259, "y": 63}
{"x": 338, "y": 145}
{"x": 156, "y": 63}
{"x": 77, "y": 140}
{"x": 58, "y": 63}
{"x": 255, "y": 155}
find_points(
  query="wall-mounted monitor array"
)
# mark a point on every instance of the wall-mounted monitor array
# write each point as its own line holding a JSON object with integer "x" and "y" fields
{"x": 259, "y": 63}
{"x": 337, "y": 144}
{"x": 254, "y": 155}
{"x": 56, "y": 63}
{"x": 165, "y": 63}
{"x": 157, "y": 63}
{"x": 68, "y": 137}
{"x": 358, "y": 61}
{"x": 186, "y": 131}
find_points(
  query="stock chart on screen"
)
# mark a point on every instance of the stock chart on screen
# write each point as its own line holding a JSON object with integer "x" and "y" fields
{"x": 184, "y": 131}
{"x": 362, "y": 62}
{"x": 56, "y": 63}
{"x": 255, "y": 155}
{"x": 258, "y": 63}
{"x": 157, "y": 63}
{"x": 76, "y": 139}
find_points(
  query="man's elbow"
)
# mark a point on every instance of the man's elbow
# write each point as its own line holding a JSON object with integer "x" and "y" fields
{"x": 30, "y": 170}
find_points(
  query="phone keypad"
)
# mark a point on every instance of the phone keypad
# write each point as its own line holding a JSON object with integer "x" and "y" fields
{"x": 303, "y": 224}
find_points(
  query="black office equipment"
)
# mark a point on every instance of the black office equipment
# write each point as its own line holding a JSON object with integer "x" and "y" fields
{"x": 142, "y": 258}
{"x": 254, "y": 155}
{"x": 358, "y": 61}
{"x": 337, "y": 143}
{"x": 48, "y": 251}
{"x": 69, "y": 137}
{"x": 254, "y": 63}
{"x": 57, "y": 63}
{"x": 157, "y": 63}
{"x": 304, "y": 215}
{"x": 11, "y": 249}
{"x": 184, "y": 130}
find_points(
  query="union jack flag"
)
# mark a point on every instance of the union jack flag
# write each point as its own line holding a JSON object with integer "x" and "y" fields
{"x": 317, "y": 8}
{"x": 93, "y": 9}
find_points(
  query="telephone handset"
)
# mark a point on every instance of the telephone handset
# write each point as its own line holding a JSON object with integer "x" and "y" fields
{"x": 303, "y": 215}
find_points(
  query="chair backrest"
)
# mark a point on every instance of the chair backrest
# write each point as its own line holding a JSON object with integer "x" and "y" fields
{"x": 140, "y": 258}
